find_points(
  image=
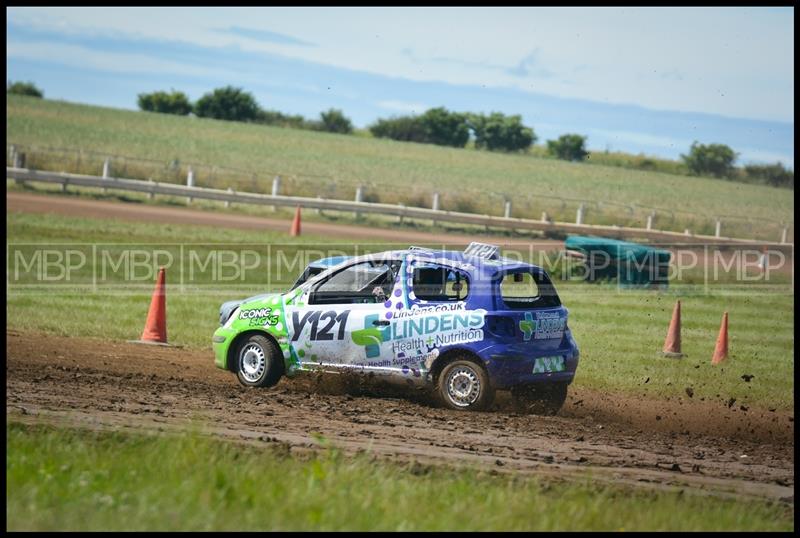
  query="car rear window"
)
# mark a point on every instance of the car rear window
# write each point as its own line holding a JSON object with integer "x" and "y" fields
{"x": 526, "y": 290}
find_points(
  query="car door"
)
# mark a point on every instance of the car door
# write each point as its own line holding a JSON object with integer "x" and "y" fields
{"x": 338, "y": 325}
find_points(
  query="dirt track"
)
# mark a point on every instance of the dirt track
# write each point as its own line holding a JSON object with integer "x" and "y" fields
{"x": 86, "y": 207}
{"x": 100, "y": 384}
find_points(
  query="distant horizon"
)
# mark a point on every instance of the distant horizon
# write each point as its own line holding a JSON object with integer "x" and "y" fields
{"x": 656, "y": 101}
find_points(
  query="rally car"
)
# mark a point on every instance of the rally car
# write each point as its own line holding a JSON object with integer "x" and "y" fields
{"x": 464, "y": 323}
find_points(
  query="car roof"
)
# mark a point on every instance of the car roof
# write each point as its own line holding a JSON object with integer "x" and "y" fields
{"x": 473, "y": 264}
{"x": 479, "y": 268}
{"x": 324, "y": 263}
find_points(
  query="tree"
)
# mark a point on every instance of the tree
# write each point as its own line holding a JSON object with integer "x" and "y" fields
{"x": 435, "y": 126}
{"x": 569, "y": 147}
{"x": 24, "y": 88}
{"x": 771, "y": 174}
{"x": 228, "y": 103}
{"x": 403, "y": 128}
{"x": 334, "y": 121}
{"x": 712, "y": 159}
{"x": 499, "y": 132}
{"x": 174, "y": 102}
{"x": 445, "y": 128}
{"x": 279, "y": 119}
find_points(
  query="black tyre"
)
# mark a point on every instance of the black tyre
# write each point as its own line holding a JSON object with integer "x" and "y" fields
{"x": 465, "y": 385}
{"x": 259, "y": 362}
{"x": 539, "y": 399}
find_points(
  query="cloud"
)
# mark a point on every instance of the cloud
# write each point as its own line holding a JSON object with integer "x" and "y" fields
{"x": 525, "y": 67}
{"x": 114, "y": 62}
{"x": 403, "y": 106}
{"x": 266, "y": 36}
{"x": 468, "y": 63}
{"x": 672, "y": 75}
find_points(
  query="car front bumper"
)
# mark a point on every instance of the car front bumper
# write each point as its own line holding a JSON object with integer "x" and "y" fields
{"x": 221, "y": 342}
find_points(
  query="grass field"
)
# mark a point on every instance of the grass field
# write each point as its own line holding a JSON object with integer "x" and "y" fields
{"x": 619, "y": 331}
{"x": 60, "y": 479}
{"x": 332, "y": 165}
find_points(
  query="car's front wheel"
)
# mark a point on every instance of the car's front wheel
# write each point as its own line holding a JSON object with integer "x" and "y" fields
{"x": 258, "y": 362}
{"x": 465, "y": 385}
{"x": 540, "y": 398}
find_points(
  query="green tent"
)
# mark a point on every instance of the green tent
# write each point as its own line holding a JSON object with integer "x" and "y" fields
{"x": 630, "y": 264}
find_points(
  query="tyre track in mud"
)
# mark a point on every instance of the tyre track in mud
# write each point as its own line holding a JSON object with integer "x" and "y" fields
{"x": 113, "y": 385}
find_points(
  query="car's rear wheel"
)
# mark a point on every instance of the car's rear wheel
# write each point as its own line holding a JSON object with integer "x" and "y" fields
{"x": 258, "y": 362}
{"x": 464, "y": 385}
{"x": 539, "y": 398}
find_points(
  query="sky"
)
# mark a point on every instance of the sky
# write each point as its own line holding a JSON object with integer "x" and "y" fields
{"x": 639, "y": 80}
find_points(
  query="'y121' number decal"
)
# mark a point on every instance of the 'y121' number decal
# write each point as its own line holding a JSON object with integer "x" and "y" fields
{"x": 329, "y": 320}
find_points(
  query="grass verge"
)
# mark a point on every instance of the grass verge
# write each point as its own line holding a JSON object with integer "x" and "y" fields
{"x": 61, "y": 479}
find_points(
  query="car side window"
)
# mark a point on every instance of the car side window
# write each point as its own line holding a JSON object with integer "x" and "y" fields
{"x": 440, "y": 284}
{"x": 366, "y": 282}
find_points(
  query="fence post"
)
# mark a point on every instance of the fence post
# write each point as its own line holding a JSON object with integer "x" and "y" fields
{"x": 19, "y": 160}
{"x": 783, "y": 235}
{"x": 15, "y": 160}
{"x": 228, "y": 202}
{"x": 276, "y": 188}
{"x": 106, "y": 171}
{"x": 401, "y": 214}
{"x": 12, "y": 152}
{"x": 718, "y": 228}
{"x": 359, "y": 198}
{"x": 507, "y": 211}
{"x": 435, "y": 206}
{"x": 190, "y": 183}
{"x": 687, "y": 232}
{"x": 579, "y": 215}
{"x": 650, "y": 218}
{"x": 545, "y": 217}
{"x": 152, "y": 194}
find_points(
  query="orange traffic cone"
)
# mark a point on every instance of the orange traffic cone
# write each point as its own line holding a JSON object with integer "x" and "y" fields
{"x": 672, "y": 344}
{"x": 721, "y": 349}
{"x": 295, "y": 231}
{"x": 155, "y": 328}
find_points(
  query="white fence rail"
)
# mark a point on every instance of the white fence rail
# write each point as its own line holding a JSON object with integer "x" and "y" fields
{"x": 402, "y": 212}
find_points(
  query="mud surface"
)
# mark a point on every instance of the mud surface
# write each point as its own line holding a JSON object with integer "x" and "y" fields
{"x": 100, "y": 384}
